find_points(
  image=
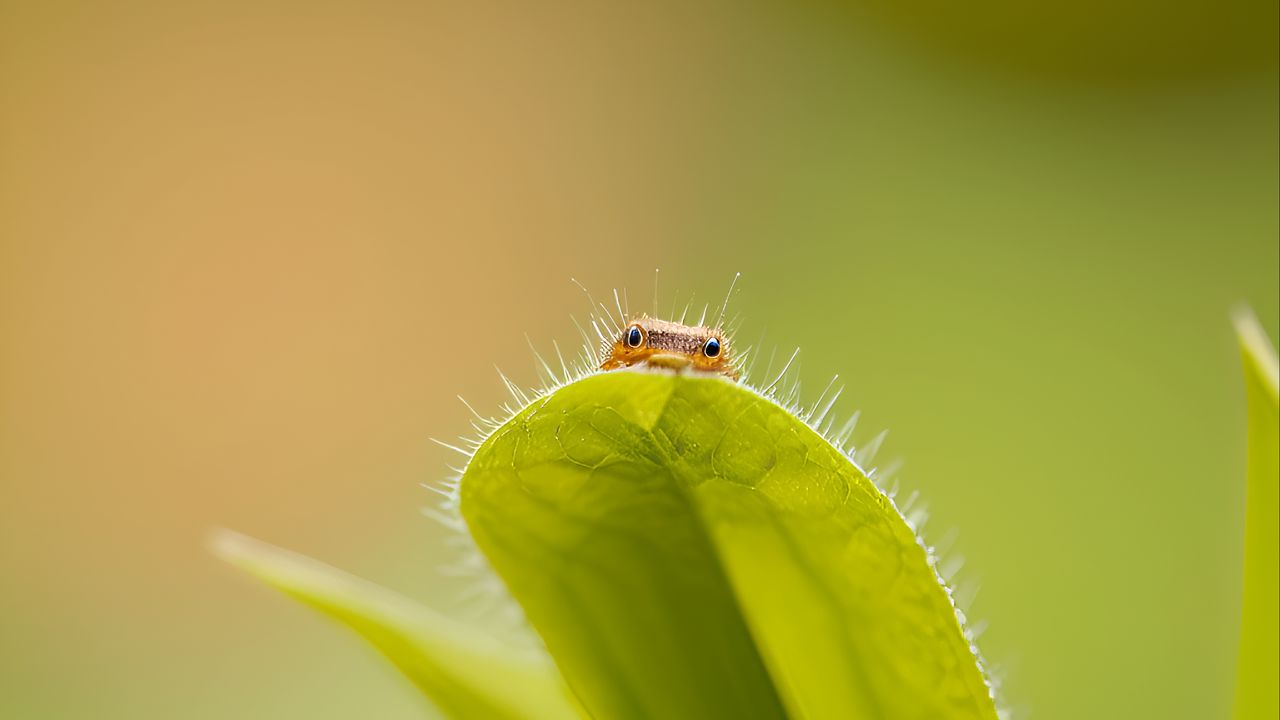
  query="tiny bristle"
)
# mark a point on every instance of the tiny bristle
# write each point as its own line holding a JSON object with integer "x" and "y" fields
{"x": 450, "y": 446}
{"x": 867, "y": 453}
{"x": 768, "y": 389}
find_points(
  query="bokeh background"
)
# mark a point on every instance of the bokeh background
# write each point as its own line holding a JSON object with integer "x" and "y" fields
{"x": 250, "y": 252}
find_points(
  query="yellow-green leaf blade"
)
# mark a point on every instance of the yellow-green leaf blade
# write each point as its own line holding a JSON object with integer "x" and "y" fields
{"x": 696, "y": 532}
{"x": 465, "y": 673}
{"x": 1257, "y": 690}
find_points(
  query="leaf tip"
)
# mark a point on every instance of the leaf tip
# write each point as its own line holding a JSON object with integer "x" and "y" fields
{"x": 1259, "y": 354}
{"x": 283, "y": 569}
{"x": 228, "y": 545}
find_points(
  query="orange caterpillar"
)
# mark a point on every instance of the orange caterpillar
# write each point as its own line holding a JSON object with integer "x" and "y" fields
{"x": 665, "y": 344}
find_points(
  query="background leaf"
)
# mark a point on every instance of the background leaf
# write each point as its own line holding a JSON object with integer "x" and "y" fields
{"x": 687, "y": 548}
{"x": 1257, "y": 692}
{"x": 466, "y": 673}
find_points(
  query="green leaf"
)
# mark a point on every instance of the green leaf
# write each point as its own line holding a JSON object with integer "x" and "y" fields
{"x": 1257, "y": 691}
{"x": 467, "y": 674}
{"x": 689, "y": 549}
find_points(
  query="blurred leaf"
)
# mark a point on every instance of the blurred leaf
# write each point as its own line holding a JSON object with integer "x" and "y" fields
{"x": 466, "y": 674}
{"x": 1257, "y": 691}
{"x": 687, "y": 548}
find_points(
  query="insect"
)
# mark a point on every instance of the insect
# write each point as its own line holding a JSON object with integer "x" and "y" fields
{"x": 666, "y": 344}
{"x": 662, "y": 343}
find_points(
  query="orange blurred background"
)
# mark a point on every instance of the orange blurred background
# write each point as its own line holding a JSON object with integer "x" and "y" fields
{"x": 250, "y": 252}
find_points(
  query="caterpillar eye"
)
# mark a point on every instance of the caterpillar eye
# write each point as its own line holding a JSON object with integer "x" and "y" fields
{"x": 712, "y": 348}
{"x": 634, "y": 336}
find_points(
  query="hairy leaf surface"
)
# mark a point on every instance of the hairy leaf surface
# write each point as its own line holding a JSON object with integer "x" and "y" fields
{"x": 688, "y": 548}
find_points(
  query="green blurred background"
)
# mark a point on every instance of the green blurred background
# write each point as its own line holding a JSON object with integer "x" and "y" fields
{"x": 249, "y": 252}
